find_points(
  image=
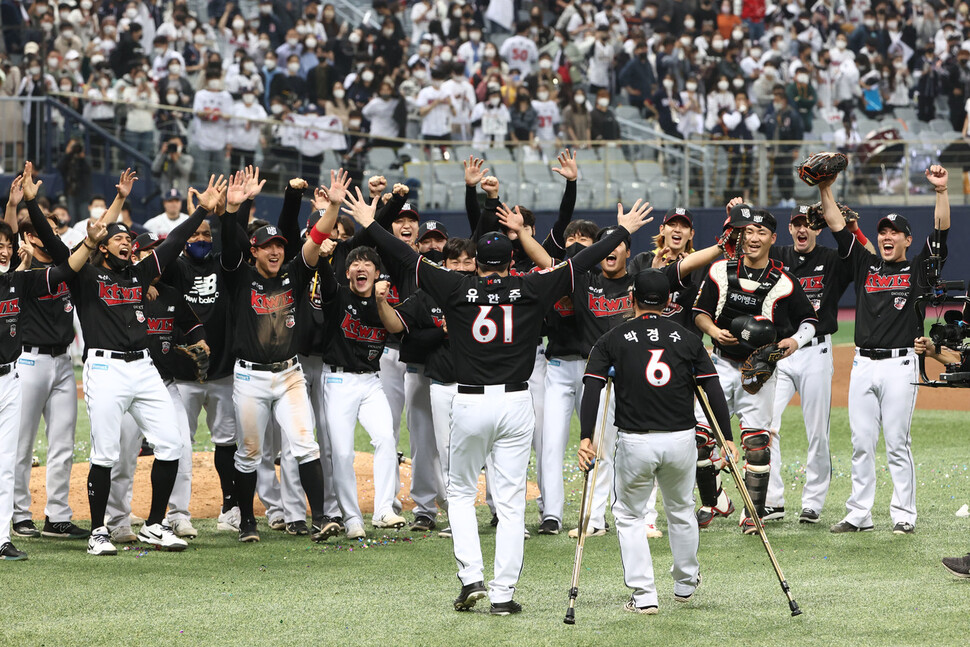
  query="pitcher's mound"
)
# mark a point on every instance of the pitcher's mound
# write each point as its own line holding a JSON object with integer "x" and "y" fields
{"x": 206, "y": 492}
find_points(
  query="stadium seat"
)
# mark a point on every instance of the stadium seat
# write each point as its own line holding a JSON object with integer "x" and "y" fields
{"x": 586, "y": 155}
{"x": 628, "y": 112}
{"x": 648, "y": 171}
{"x": 621, "y": 172}
{"x": 536, "y": 172}
{"x": 612, "y": 153}
{"x": 382, "y": 157}
{"x": 461, "y": 152}
{"x": 663, "y": 195}
{"x": 499, "y": 154}
{"x": 942, "y": 126}
{"x": 630, "y": 192}
{"x": 449, "y": 172}
{"x": 592, "y": 171}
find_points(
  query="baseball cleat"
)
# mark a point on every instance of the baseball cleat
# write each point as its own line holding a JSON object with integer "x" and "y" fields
{"x": 99, "y": 544}
{"x": 25, "y": 528}
{"x": 161, "y": 536}
{"x": 324, "y": 531}
{"x": 422, "y": 523}
{"x": 959, "y": 566}
{"x": 748, "y": 527}
{"x": 63, "y": 530}
{"x": 505, "y": 608}
{"x": 595, "y": 532}
{"x": 389, "y": 520}
{"x": 248, "y": 533}
{"x": 808, "y": 516}
{"x": 845, "y": 526}
{"x": 277, "y": 523}
{"x": 10, "y": 553}
{"x": 904, "y": 528}
{"x": 653, "y": 532}
{"x": 773, "y": 514}
{"x": 340, "y": 522}
{"x": 184, "y": 528}
{"x": 549, "y": 527}
{"x": 469, "y": 595}
{"x": 229, "y": 520}
{"x": 445, "y": 533}
{"x": 527, "y": 534}
{"x": 135, "y": 520}
{"x": 123, "y": 535}
{"x": 687, "y": 598}
{"x": 649, "y": 610}
{"x": 705, "y": 514}
{"x": 355, "y": 530}
{"x": 297, "y": 528}
{"x": 494, "y": 522}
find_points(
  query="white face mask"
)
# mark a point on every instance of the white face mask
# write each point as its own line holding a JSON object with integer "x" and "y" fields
{"x": 67, "y": 33}
{"x": 770, "y": 72}
{"x": 420, "y": 75}
{"x": 367, "y": 76}
{"x": 545, "y": 64}
{"x": 841, "y": 44}
{"x": 293, "y": 67}
{"x": 354, "y": 38}
{"x": 689, "y": 24}
{"x": 248, "y": 98}
{"x": 691, "y": 86}
{"x": 388, "y": 33}
{"x": 779, "y": 106}
{"x": 579, "y": 99}
{"x": 199, "y": 39}
{"x": 354, "y": 124}
{"x": 172, "y": 98}
{"x": 270, "y": 63}
{"x": 311, "y": 43}
{"x": 53, "y": 63}
{"x": 445, "y": 56}
{"x": 475, "y": 36}
{"x": 174, "y": 69}
{"x": 722, "y": 85}
{"x": 801, "y": 78}
{"x": 266, "y": 9}
{"x": 424, "y": 49}
{"x": 542, "y": 96}
{"x": 292, "y": 42}
{"x": 249, "y": 67}
{"x": 263, "y": 44}
{"x": 214, "y": 85}
{"x": 276, "y": 109}
{"x": 74, "y": 64}
{"x": 339, "y": 94}
{"x": 34, "y": 70}
{"x": 668, "y": 83}
{"x": 755, "y": 53}
{"x": 96, "y": 212}
{"x": 494, "y": 102}
{"x": 86, "y": 5}
{"x": 603, "y": 102}
{"x": 684, "y": 41}
{"x": 238, "y": 24}
{"x": 737, "y": 34}
{"x": 131, "y": 13}
{"x": 66, "y": 87}
{"x": 302, "y": 30}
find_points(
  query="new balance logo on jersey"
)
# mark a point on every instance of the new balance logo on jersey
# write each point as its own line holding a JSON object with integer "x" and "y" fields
{"x": 602, "y": 306}
{"x": 9, "y": 307}
{"x": 115, "y": 295}
{"x": 812, "y": 283}
{"x": 879, "y": 283}
{"x": 204, "y": 286}
{"x": 265, "y": 304}
{"x": 353, "y": 329}
{"x": 163, "y": 326}
{"x": 819, "y": 268}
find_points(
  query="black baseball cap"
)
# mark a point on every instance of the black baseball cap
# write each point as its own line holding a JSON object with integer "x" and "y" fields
{"x": 408, "y": 209}
{"x": 651, "y": 287}
{"x": 432, "y": 227}
{"x": 312, "y": 220}
{"x": 171, "y": 194}
{"x": 800, "y": 211}
{"x": 679, "y": 212}
{"x": 606, "y": 231}
{"x": 494, "y": 249}
{"x": 739, "y": 216}
{"x": 897, "y": 222}
{"x": 763, "y": 218}
{"x": 116, "y": 228}
{"x": 264, "y": 235}
{"x": 145, "y": 242}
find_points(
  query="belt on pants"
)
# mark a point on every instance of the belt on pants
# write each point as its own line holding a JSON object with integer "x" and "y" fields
{"x": 125, "y": 356}
{"x": 53, "y": 351}
{"x": 884, "y": 353}
{"x": 275, "y": 367}
{"x": 479, "y": 389}
{"x": 341, "y": 369}
{"x": 820, "y": 339}
{"x": 7, "y": 368}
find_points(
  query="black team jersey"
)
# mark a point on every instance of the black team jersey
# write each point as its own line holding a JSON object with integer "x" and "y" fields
{"x": 16, "y": 288}
{"x": 770, "y": 292}
{"x": 656, "y": 362}
{"x": 48, "y": 320}
{"x": 886, "y": 316}
{"x": 683, "y": 293}
{"x": 823, "y": 277}
{"x": 170, "y": 321}
{"x": 355, "y": 335}
{"x": 426, "y": 342}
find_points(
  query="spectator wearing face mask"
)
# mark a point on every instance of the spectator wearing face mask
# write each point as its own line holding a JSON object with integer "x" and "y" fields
{"x": 422, "y": 13}
{"x": 245, "y": 76}
{"x": 424, "y": 54}
{"x": 291, "y": 46}
{"x": 269, "y": 71}
{"x": 175, "y": 81}
{"x": 436, "y": 109}
{"x": 784, "y": 126}
{"x": 727, "y": 20}
{"x": 163, "y": 55}
{"x": 548, "y": 117}
{"x": 463, "y": 100}
{"x": 34, "y": 84}
{"x": 471, "y": 51}
{"x": 603, "y": 125}
{"x": 387, "y": 114}
{"x": 338, "y": 105}
{"x": 246, "y": 135}
{"x": 637, "y": 78}
{"x": 319, "y": 133}
{"x": 762, "y": 89}
{"x": 309, "y": 58}
{"x": 364, "y": 86}
{"x": 235, "y": 36}
{"x": 67, "y": 39}
{"x": 692, "y": 109}
{"x": 332, "y": 25}
{"x": 523, "y": 121}
{"x": 172, "y": 166}
{"x": 720, "y": 98}
{"x": 900, "y": 84}
{"x": 576, "y": 120}
{"x": 140, "y": 118}
{"x": 871, "y": 101}
{"x": 76, "y": 173}
{"x": 319, "y": 82}
{"x": 210, "y": 127}
{"x": 519, "y": 51}
{"x": 291, "y": 86}
{"x": 270, "y": 24}
{"x": 802, "y": 97}
{"x": 544, "y": 73}
{"x": 600, "y": 61}
{"x": 739, "y": 125}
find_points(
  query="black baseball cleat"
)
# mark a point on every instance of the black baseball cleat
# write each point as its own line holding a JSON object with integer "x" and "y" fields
{"x": 649, "y": 610}
{"x": 422, "y": 523}
{"x": 469, "y": 595}
{"x": 248, "y": 533}
{"x": 773, "y": 514}
{"x": 324, "y": 531}
{"x": 340, "y": 522}
{"x": 904, "y": 528}
{"x": 689, "y": 596}
{"x": 25, "y": 528}
{"x": 705, "y": 515}
{"x": 959, "y": 566}
{"x": 549, "y": 527}
{"x": 808, "y": 516}
{"x": 10, "y": 553}
{"x": 845, "y": 526}
{"x": 494, "y": 521}
{"x": 63, "y": 530}
{"x": 748, "y": 526}
{"x": 297, "y": 528}
{"x": 505, "y": 608}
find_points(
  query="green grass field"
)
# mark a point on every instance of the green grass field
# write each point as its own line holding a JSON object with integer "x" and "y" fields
{"x": 396, "y": 588}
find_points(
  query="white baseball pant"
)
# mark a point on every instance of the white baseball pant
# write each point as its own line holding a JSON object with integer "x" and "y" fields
{"x": 113, "y": 387}
{"x": 392, "y": 382}
{"x": 349, "y": 397}
{"x": 882, "y": 393}
{"x": 441, "y": 398}
{"x": 314, "y": 370}
{"x": 49, "y": 390}
{"x": 285, "y": 494}
{"x": 642, "y": 462}
{"x": 537, "y": 387}
{"x": 427, "y": 485}
{"x": 753, "y": 410}
{"x": 809, "y": 373}
{"x": 10, "y": 403}
{"x": 493, "y": 429}
{"x": 563, "y": 393}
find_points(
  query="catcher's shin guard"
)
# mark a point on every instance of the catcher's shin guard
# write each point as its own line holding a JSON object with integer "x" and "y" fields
{"x": 708, "y": 477}
{"x": 756, "y": 464}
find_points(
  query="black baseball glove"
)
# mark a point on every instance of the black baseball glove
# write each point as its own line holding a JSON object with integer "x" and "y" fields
{"x": 759, "y": 367}
{"x": 816, "y": 220}
{"x": 199, "y": 354}
{"x": 821, "y": 167}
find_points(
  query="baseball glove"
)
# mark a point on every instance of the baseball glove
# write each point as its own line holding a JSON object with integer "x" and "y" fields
{"x": 199, "y": 354}
{"x": 817, "y": 222}
{"x": 821, "y": 167}
{"x": 759, "y": 367}
{"x": 731, "y": 242}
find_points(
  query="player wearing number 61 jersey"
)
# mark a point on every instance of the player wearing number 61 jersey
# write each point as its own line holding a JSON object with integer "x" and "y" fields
{"x": 494, "y": 321}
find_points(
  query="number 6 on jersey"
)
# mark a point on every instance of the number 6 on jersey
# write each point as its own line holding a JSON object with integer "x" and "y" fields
{"x": 657, "y": 372}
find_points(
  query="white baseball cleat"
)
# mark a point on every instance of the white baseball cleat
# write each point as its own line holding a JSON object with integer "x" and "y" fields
{"x": 229, "y": 520}
{"x": 184, "y": 528}
{"x": 160, "y": 535}
{"x": 355, "y": 530}
{"x": 123, "y": 535}
{"x": 389, "y": 520}
{"x": 591, "y": 532}
{"x": 653, "y": 532}
{"x": 99, "y": 544}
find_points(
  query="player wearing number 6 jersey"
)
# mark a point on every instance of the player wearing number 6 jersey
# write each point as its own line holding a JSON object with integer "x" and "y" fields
{"x": 494, "y": 321}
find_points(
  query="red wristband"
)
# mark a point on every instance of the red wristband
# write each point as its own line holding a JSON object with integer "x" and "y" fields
{"x": 318, "y": 236}
{"x": 861, "y": 237}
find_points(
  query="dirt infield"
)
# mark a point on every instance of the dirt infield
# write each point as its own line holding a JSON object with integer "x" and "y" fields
{"x": 206, "y": 494}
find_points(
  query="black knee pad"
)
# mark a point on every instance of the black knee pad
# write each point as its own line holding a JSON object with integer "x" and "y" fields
{"x": 705, "y": 443}
{"x": 756, "y": 452}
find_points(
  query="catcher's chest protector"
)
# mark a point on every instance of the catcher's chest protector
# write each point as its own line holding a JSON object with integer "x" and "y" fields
{"x": 737, "y": 301}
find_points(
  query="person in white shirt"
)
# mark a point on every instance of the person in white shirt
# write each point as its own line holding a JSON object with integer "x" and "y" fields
{"x": 245, "y": 135}
{"x": 520, "y": 51}
{"x": 319, "y": 133}
{"x": 170, "y": 217}
{"x": 97, "y": 205}
{"x": 463, "y": 99}
{"x": 140, "y": 118}
{"x": 471, "y": 50}
{"x": 422, "y": 13}
{"x": 163, "y": 55}
{"x": 212, "y": 107}
{"x": 435, "y": 108}
{"x": 491, "y": 118}
{"x": 721, "y": 98}
{"x": 548, "y": 112}
{"x": 386, "y": 114}
{"x": 501, "y": 16}
{"x": 600, "y": 61}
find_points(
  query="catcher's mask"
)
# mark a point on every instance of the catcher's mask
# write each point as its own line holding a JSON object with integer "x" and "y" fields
{"x": 754, "y": 331}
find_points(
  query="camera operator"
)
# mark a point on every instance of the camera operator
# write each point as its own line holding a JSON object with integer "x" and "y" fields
{"x": 173, "y": 166}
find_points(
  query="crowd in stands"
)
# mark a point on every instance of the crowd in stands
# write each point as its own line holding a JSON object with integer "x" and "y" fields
{"x": 192, "y": 84}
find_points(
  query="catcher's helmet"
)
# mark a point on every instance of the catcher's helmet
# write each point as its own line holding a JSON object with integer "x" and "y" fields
{"x": 755, "y": 331}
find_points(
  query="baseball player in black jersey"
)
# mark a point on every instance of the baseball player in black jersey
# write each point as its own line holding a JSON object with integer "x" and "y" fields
{"x": 170, "y": 321}
{"x": 881, "y": 388}
{"x": 494, "y": 319}
{"x": 17, "y": 288}
{"x": 753, "y": 285}
{"x": 808, "y": 371}
{"x": 656, "y": 363}
{"x": 268, "y": 378}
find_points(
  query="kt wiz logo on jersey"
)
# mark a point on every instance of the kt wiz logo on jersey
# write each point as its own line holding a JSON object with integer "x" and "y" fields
{"x": 603, "y": 306}
{"x": 161, "y": 326}
{"x": 879, "y": 283}
{"x": 9, "y": 307}
{"x": 353, "y": 329}
{"x": 115, "y": 295}
{"x": 265, "y": 304}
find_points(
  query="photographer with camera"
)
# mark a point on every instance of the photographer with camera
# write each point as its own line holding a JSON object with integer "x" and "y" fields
{"x": 172, "y": 166}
